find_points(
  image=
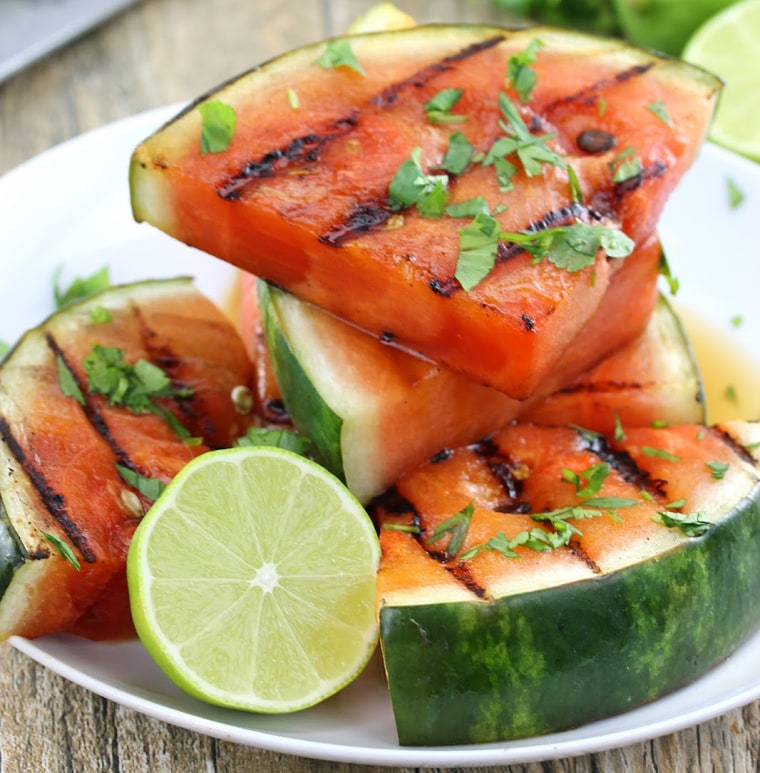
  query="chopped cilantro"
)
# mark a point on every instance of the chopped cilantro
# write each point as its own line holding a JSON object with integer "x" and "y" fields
{"x": 293, "y": 100}
{"x": 67, "y": 382}
{"x": 412, "y": 186}
{"x": 737, "y": 320}
{"x": 468, "y": 208}
{"x": 619, "y": 432}
{"x": 520, "y": 73}
{"x": 218, "y": 121}
{"x": 100, "y": 315}
{"x": 664, "y": 268}
{"x": 660, "y": 454}
{"x": 589, "y": 481}
{"x": 730, "y": 394}
{"x": 691, "y": 524}
{"x": 458, "y": 154}
{"x": 80, "y": 287}
{"x": 478, "y": 245}
{"x": 408, "y": 528}
{"x": 438, "y": 109}
{"x": 658, "y": 108}
{"x": 133, "y": 386}
{"x": 735, "y": 194}
{"x": 279, "y": 438}
{"x": 4, "y": 348}
{"x": 150, "y": 488}
{"x": 63, "y": 548}
{"x": 601, "y": 106}
{"x": 339, "y": 53}
{"x": 457, "y": 527}
{"x": 625, "y": 165}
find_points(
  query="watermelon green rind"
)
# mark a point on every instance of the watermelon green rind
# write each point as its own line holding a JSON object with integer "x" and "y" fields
{"x": 307, "y": 408}
{"x": 556, "y": 658}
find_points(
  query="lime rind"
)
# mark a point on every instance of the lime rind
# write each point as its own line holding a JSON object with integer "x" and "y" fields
{"x": 256, "y": 592}
{"x": 728, "y": 44}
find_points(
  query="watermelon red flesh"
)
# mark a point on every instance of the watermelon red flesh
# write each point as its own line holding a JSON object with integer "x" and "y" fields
{"x": 300, "y": 198}
{"x": 66, "y": 453}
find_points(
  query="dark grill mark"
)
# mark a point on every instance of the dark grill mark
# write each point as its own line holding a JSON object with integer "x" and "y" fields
{"x": 734, "y": 445}
{"x": 632, "y": 183}
{"x": 442, "y": 456}
{"x": 528, "y": 322}
{"x": 579, "y": 552}
{"x": 460, "y": 571}
{"x": 624, "y": 465}
{"x": 53, "y": 501}
{"x": 305, "y": 149}
{"x": 390, "y": 95}
{"x": 91, "y": 411}
{"x": 362, "y": 218}
{"x": 590, "y": 94}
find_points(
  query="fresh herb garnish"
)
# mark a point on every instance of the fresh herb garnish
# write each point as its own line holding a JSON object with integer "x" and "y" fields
{"x": 279, "y": 438}
{"x": 730, "y": 394}
{"x": 63, "y": 548}
{"x": 478, "y": 245}
{"x": 588, "y": 482}
{"x": 4, "y": 348}
{"x": 660, "y": 454}
{"x": 218, "y": 122}
{"x": 132, "y": 386}
{"x": 718, "y": 470}
{"x": 737, "y": 320}
{"x": 339, "y": 54}
{"x": 691, "y": 524}
{"x": 293, "y": 100}
{"x": 67, "y": 382}
{"x": 407, "y": 528}
{"x": 80, "y": 287}
{"x": 618, "y": 433}
{"x": 458, "y": 154}
{"x": 438, "y": 108}
{"x": 412, "y": 186}
{"x": 735, "y": 194}
{"x": 658, "y": 108}
{"x": 625, "y": 165}
{"x": 664, "y": 268}
{"x": 150, "y": 488}
{"x": 469, "y": 208}
{"x": 520, "y": 73}
{"x": 100, "y": 315}
{"x": 457, "y": 527}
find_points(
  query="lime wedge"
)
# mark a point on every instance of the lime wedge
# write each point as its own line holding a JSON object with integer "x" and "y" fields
{"x": 729, "y": 46}
{"x": 252, "y": 581}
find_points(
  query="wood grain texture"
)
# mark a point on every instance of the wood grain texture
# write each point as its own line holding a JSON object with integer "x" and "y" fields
{"x": 167, "y": 51}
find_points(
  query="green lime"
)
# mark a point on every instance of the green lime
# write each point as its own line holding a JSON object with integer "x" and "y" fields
{"x": 729, "y": 46}
{"x": 252, "y": 581}
{"x": 664, "y": 25}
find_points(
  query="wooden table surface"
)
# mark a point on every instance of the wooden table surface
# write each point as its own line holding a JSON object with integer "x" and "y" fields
{"x": 168, "y": 51}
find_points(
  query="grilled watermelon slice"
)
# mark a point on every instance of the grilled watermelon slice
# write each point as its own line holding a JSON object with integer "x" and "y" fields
{"x": 64, "y": 502}
{"x": 374, "y": 412}
{"x": 301, "y": 195}
{"x": 593, "y": 575}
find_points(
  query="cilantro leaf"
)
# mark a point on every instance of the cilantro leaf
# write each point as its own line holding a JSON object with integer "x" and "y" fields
{"x": 519, "y": 72}
{"x": 458, "y": 154}
{"x": 457, "y": 527}
{"x": 339, "y": 53}
{"x": 664, "y": 268}
{"x": 412, "y": 186}
{"x": 659, "y": 109}
{"x": 80, "y": 287}
{"x": 469, "y": 208}
{"x": 691, "y": 524}
{"x": 625, "y": 166}
{"x": 735, "y": 194}
{"x": 438, "y": 108}
{"x": 67, "y": 382}
{"x": 218, "y": 121}
{"x": 150, "y": 488}
{"x": 280, "y": 438}
{"x": 132, "y": 386}
{"x": 478, "y": 246}
{"x": 660, "y": 454}
{"x": 718, "y": 470}
{"x": 63, "y": 548}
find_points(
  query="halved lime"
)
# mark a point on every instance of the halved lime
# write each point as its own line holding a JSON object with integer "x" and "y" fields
{"x": 729, "y": 46}
{"x": 252, "y": 581}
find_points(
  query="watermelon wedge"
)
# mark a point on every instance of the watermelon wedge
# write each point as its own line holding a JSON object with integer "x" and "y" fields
{"x": 76, "y": 462}
{"x": 301, "y": 196}
{"x": 550, "y": 577}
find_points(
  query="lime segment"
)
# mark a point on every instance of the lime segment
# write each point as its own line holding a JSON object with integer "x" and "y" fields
{"x": 729, "y": 46}
{"x": 252, "y": 581}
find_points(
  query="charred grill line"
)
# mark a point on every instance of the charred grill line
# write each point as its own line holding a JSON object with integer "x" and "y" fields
{"x": 362, "y": 218}
{"x": 579, "y": 552}
{"x": 590, "y": 94}
{"x": 725, "y": 437}
{"x": 657, "y": 169}
{"x": 305, "y": 149}
{"x": 53, "y": 500}
{"x": 623, "y": 463}
{"x": 94, "y": 416}
{"x": 391, "y": 94}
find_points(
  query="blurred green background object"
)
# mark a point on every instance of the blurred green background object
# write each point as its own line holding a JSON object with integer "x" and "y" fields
{"x": 664, "y": 25}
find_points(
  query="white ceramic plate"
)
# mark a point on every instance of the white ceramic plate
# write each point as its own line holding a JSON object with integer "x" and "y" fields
{"x": 70, "y": 206}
